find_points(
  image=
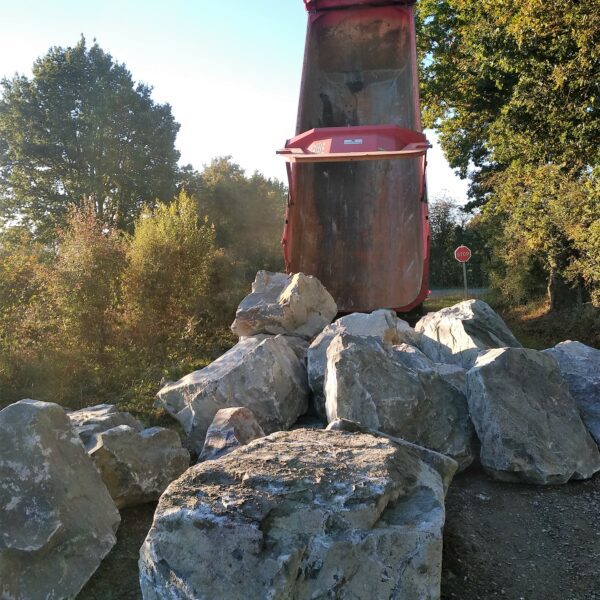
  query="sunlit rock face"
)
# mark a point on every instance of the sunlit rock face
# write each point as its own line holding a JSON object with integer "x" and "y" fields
{"x": 457, "y": 334}
{"x": 580, "y": 367}
{"x": 262, "y": 373}
{"x": 296, "y": 305}
{"x": 302, "y": 514}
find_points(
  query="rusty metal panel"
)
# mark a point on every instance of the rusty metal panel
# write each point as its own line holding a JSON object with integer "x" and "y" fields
{"x": 359, "y": 226}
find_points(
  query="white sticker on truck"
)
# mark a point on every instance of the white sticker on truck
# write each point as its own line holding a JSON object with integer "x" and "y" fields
{"x": 353, "y": 142}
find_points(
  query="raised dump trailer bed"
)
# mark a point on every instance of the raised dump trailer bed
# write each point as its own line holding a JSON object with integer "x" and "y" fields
{"x": 357, "y": 216}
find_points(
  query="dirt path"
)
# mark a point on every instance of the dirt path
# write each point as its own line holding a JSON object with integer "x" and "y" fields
{"x": 521, "y": 542}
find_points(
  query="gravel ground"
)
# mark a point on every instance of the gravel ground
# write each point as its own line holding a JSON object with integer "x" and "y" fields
{"x": 521, "y": 542}
{"x": 510, "y": 541}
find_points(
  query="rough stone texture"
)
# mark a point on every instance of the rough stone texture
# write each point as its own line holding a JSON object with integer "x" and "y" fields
{"x": 410, "y": 356}
{"x": 367, "y": 383}
{"x": 454, "y": 375}
{"x": 230, "y": 429}
{"x": 284, "y": 304}
{"x": 381, "y": 324}
{"x": 90, "y": 421}
{"x": 528, "y": 423}
{"x": 302, "y": 514}
{"x": 57, "y": 519}
{"x": 138, "y": 466}
{"x": 262, "y": 374}
{"x": 444, "y": 465}
{"x": 580, "y": 367}
{"x": 458, "y": 333}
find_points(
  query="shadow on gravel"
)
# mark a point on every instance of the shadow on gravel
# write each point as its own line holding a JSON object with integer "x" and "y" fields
{"x": 117, "y": 576}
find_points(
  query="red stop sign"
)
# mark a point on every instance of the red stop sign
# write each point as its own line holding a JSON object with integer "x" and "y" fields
{"x": 462, "y": 254}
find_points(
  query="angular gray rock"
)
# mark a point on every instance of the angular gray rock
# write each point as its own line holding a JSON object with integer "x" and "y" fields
{"x": 381, "y": 324}
{"x": 57, "y": 519}
{"x": 369, "y": 384}
{"x": 458, "y": 333}
{"x": 454, "y": 375}
{"x": 230, "y": 429}
{"x": 411, "y": 357}
{"x": 284, "y": 304}
{"x": 528, "y": 423}
{"x": 302, "y": 514}
{"x": 263, "y": 374}
{"x": 137, "y": 466}
{"x": 580, "y": 367}
{"x": 90, "y": 421}
{"x": 444, "y": 465}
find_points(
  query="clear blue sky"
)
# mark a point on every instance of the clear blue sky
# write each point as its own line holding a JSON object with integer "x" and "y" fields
{"x": 229, "y": 68}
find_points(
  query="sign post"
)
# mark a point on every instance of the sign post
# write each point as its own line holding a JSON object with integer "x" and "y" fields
{"x": 463, "y": 254}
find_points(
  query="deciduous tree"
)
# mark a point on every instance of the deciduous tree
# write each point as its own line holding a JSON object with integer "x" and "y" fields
{"x": 81, "y": 129}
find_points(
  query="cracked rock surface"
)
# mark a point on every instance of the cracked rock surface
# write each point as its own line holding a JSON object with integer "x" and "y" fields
{"x": 381, "y": 324}
{"x": 137, "y": 466}
{"x": 230, "y": 429}
{"x": 296, "y": 305}
{"x": 57, "y": 519}
{"x": 370, "y": 384}
{"x": 458, "y": 333}
{"x": 580, "y": 367}
{"x": 526, "y": 420}
{"x": 301, "y": 514}
{"x": 90, "y": 421}
{"x": 261, "y": 373}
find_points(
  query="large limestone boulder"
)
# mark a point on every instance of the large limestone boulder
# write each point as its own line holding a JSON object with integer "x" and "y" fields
{"x": 302, "y": 514}
{"x": 580, "y": 367}
{"x": 528, "y": 423}
{"x": 369, "y": 384}
{"x": 57, "y": 519}
{"x": 444, "y": 465}
{"x": 458, "y": 333}
{"x": 381, "y": 324}
{"x": 263, "y": 374}
{"x": 138, "y": 466}
{"x": 88, "y": 422}
{"x": 284, "y": 304}
{"x": 230, "y": 429}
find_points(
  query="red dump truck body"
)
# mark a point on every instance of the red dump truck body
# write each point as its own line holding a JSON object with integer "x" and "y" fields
{"x": 357, "y": 216}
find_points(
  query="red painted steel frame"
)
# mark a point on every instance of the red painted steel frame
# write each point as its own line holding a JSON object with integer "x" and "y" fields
{"x": 333, "y": 4}
{"x": 356, "y": 220}
{"x": 341, "y": 144}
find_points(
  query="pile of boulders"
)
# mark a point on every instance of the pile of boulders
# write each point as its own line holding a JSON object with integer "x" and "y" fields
{"x": 350, "y": 508}
{"x": 63, "y": 478}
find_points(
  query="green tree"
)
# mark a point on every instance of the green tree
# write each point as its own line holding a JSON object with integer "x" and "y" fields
{"x": 451, "y": 227}
{"x": 167, "y": 282}
{"x": 23, "y": 264}
{"x": 512, "y": 81}
{"x": 247, "y": 213}
{"x": 83, "y": 287}
{"x": 545, "y": 227}
{"x": 514, "y": 91}
{"x": 59, "y": 312}
{"x": 81, "y": 129}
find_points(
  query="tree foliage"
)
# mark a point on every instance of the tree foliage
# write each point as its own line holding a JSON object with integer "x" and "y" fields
{"x": 247, "y": 213}
{"x": 514, "y": 91}
{"x": 167, "y": 281}
{"x": 450, "y": 228}
{"x": 81, "y": 129}
{"x": 506, "y": 82}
